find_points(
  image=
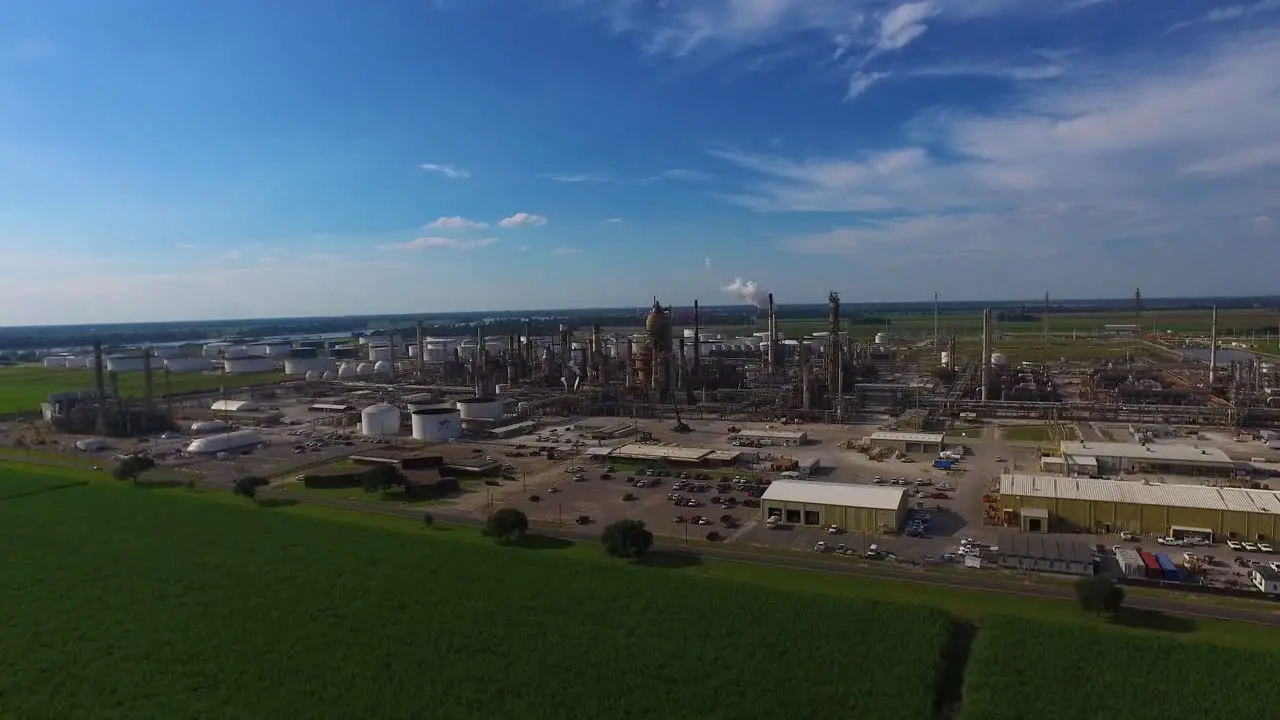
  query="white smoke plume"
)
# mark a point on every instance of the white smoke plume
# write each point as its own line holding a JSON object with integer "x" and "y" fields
{"x": 747, "y": 291}
{"x": 707, "y": 261}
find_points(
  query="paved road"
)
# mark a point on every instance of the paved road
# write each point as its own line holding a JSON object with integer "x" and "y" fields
{"x": 979, "y": 580}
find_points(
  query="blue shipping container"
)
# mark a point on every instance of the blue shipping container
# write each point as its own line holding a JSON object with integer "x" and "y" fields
{"x": 942, "y": 464}
{"x": 1170, "y": 570}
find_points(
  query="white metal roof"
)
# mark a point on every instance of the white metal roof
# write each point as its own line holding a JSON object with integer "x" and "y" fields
{"x": 723, "y": 455}
{"x": 331, "y": 406}
{"x": 1077, "y": 460}
{"x": 779, "y": 434}
{"x": 1189, "y": 496}
{"x": 661, "y": 452}
{"x": 224, "y": 441}
{"x": 1171, "y": 453}
{"x": 909, "y": 437}
{"x": 234, "y": 405}
{"x": 810, "y": 492}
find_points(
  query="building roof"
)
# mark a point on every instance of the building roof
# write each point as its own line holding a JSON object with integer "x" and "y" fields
{"x": 723, "y": 455}
{"x": 831, "y": 493}
{"x": 1170, "y": 453}
{"x": 512, "y": 428}
{"x": 1136, "y": 493}
{"x": 777, "y": 434}
{"x": 661, "y": 452}
{"x": 332, "y": 407}
{"x": 224, "y": 441}
{"x": 1085, "y": 460}
{"x": 234, "y": 405}
{"x": 913, "y": 437}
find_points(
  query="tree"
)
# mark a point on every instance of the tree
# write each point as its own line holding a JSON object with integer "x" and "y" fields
{"x": 248, "y": 485}
{"x": 1100, "y": 594}
{"x": 627, "y": 539}
{"x": 380, "y": 478}
{"x": 132, "y": 466}
{"x": 507, "y": 526}
{"x": 428, "y": 519}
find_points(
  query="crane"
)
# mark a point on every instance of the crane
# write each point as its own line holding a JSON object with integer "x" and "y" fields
{"x": 680, "y": 426}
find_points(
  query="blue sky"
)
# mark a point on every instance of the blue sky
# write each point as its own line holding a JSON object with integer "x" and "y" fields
{"x": 169, "y": 160}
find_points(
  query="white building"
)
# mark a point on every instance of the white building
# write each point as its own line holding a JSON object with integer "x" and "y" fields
{"x": 234, "y": 406}
{"x": 785, "y": 438}
{"x": 225, "y": 442}
{"x": 1113, "y": 458}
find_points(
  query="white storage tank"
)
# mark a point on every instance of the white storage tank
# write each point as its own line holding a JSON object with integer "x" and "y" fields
{"x": 223, "y": 442}
{"x": 127, "y": 363}
{"x": 253, "y": 364}
{"x": 364, "y": 370}
{"x": 882, "y": 338}
{"x": 495, "y": 347}
{"x": 945, "y": 359}
{"x": 302, "y": 366}
{"x": 480, "y": 408}
{"x": 690, "y": 333}
{"x": 278, "y": 348}
{"x": 347, "y": 371}
{"x": 55, "y": 362}
{"x": 378, "y": 353}
{"x": 314, "y": 376}
{"x": 188, "y": 364}
{"x": 999, "y": 359}
{"x": 382, "y": 368}
{"x": 77, "y": 362}
{"x": 235, "y": 351}
{"x": 437, "y": 424}
{"x": 428, "y": 402}
{"x": 215, "y": 349}
{"x": 380, "y": 420}
{"x": 207, "y": 427}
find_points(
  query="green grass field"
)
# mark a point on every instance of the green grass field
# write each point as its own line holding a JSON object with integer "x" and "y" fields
{"x": 24, "y": 387}
{"x": 962, "y": 324}
{"x": 129, "y": 602}
{"x": 1022, "y": 668}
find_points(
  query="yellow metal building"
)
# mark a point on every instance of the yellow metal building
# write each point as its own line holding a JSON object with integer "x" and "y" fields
{"x": 856, "y": 508}
{"x": 1040, "y": 503}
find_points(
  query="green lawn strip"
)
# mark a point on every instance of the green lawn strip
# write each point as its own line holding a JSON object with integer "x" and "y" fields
{"x": 247, "y": 611}
{"x": 24, "y": 387}
{"x": 1021, "y": 668}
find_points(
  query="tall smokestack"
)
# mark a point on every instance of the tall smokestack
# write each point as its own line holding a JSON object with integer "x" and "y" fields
{"x": 680, "y": 370}
{"x": 100, "y": 383}
{"x": 1044, "y": 331}
{"x": 773, "y": 337}
{"x": 697, "y": 341}
{"x": 391, "y": 353}
{"x": 935, "y": 323}
{"x": 804, "y": 376}
{"x": 148, "y": 391}
{"x": 1213, "y": 347}
{"x": 1137, "y": 309}
{"x": 986, "y": 351}
{"x": 422, "y": 349}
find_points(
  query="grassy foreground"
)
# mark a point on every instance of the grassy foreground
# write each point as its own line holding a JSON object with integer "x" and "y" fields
{"x": 24, "y": 387}
{"x": 130, "y": 602}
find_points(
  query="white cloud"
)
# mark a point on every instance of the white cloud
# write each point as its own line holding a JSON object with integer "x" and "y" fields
{"x": 524, "y": 248}
{"x": 1047, "y": 71}
{"x": 614, "y": 221}
{"x": 449, "y": 171}
{"x": 860, "y": 82}
{"x": 578, "y": 178}
{"x": 456, "y": 223}
{"x": 687, "y": 175}
{"x": 523, "y": 220}
{"x": 1229, "y": 13}
{"x": 1150, "y": 150}
{"x": 566, "y": 251}
{"x": 903, "y": 24}
{"x": 232, "y": 255}
{"x": 434, "y": 243}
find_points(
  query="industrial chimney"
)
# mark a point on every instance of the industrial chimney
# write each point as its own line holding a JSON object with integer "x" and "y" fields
{"x": 773, "y": 338}
{"x": 422, "y": 349}
{"x": 1213, "y": 347}
{"x": 986, "y": 352}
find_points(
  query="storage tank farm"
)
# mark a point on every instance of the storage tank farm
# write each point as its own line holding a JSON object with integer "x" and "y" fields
{"x": 439, "y": 424}
{"x": 380, "y": 420}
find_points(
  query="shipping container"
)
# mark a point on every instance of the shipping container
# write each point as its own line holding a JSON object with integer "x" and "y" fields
{"x": 942, "y": 464}
{"x": 1152, "y": 566}
{"x": 1130, "y": 563}
{"x": 1167, "y": 568}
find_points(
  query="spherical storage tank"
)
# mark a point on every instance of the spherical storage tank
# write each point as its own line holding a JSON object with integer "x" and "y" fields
{"x": 437, "y": 425}
{"x": 347, "y": 371}
{"x": 314, "y": 376}
{"x": 882, "y": 338}
{"x": 329, "y": 376}
{"x": 382, "y": 367}
{"x": 999, "y": 359}
{"x": 480, "y": 408}
{"x": 364, "y": 370}
{"x": 380, "y": 420}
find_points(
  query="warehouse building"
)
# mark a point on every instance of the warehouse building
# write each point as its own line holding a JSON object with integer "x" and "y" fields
{"x": 783, "y": 438}
{"x": 1115, "y": 458}
{"x": 1039, "y": 503}
{"x": 912, "y": 442}
{"x": 855, "y": 508}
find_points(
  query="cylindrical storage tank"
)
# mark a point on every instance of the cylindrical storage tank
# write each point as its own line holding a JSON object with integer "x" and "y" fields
{"x": 127, "y": 363}
{"x": 314, "y": 376}
{"x": 343, "y": 353}
{"x": 215, "y": 349}
{"x": 329, "y": 376}
{"x": 186, "y": 365}
{"x": 55, "y": 362}
{"x": 77, "y": 362}
{"x": 380, "y": 420}
{"x": 499, "y": 389}
{"x": 249, "y": 365}
{"x": 495, "y": 347}
{"x": 882, "y": 338}
{"x": 945, "y": 359}
{"x": 379, "y": 352}
{"x": 278, "y": 348}
{"x": 999, "y": 359}
{"x": 364, "y": 370}
{"x": 689, "y": 333}
{"x": 480, "y": 408}
{"x": 166, "y": 351}
{"x": 427, "y": 401}
{"x": 437, "y": 425}
{"x": 347, "y": 371}
{"x": 382, "y": 367}
{"x": 304, "y": 352}
{"x": 205, "y": 427}
{"x": 235, "y": 351}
